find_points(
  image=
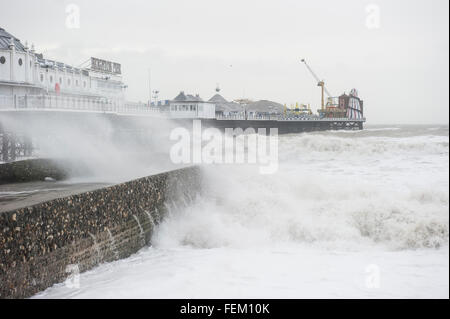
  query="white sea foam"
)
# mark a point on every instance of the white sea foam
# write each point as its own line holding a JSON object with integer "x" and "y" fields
{"x": 338, "y": 203}
{"x": 330, "y": 191}
{"x": 382, "y": 129}
{"x": 364, "y": 146}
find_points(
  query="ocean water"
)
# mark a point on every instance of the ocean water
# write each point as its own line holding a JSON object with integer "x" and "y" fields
{"x": 361, "y": 214}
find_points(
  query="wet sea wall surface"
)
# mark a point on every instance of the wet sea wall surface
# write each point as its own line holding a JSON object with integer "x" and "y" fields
{"x": 18, "y": 195}
{"x": 43, "y": 244}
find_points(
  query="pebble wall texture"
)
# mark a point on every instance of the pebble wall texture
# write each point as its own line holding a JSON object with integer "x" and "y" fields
{"x": 38, "y": 244}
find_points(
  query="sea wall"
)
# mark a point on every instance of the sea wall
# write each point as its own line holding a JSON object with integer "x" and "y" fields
{"x": 43, "y": 244}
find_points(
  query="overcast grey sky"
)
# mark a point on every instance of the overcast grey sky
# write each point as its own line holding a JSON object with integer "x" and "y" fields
{"x": 253, "y": 48}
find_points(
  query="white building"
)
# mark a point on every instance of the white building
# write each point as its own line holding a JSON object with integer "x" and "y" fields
{"x": 24, "y": 73}
{"x": 190, "y": 106}
{"x": 17, "y": 66}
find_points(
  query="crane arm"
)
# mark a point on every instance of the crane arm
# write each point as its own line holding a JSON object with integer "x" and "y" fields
{"x": 316, "y": 77}
{"x": 310, "y": 70}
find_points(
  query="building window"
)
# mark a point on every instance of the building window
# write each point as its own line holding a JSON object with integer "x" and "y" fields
{"x": 2, "y": 60}
{"x": 76, "y": 82}
{"x": 84, "y": 84}
{"x": 51, "y": 79}
{"x": 31, "y": 64}
{"x": 60, "y": 80}
{"x": 42, "y": 77}
{"x": 20, "y": 62}
{"x": 68, "y": 82}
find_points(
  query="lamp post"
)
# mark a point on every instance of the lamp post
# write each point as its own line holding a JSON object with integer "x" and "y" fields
{"x": 155, "y": 96}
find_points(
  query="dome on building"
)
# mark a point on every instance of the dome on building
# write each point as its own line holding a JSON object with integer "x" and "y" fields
{"x": 5, "y": 41}
{"x": 218, "y": 98}
{"x": 222, "y": 105}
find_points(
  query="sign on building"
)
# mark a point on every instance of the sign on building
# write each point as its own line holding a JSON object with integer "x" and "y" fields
{"x": 105, "y": 66}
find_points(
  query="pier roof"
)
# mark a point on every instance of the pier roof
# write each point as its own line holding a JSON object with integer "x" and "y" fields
{"x": 181, "y": 97}
{"x": 218, "y": 98}
{"x": 265, "y": 106}
{"x": 223, "y": 105}
{"x": 5, "y": 41}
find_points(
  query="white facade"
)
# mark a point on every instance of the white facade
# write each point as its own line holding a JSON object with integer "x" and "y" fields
{"x": 192, "y": 109}
{"x": 189, "y": 106}
{"x": 23, "y": 72}
{"x": 16, "y": 67}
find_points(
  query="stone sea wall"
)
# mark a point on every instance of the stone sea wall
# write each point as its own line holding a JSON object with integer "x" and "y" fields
{"x": 43, "y": 244}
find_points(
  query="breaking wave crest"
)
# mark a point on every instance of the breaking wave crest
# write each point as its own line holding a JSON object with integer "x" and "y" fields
{"x": 369, "y": 145}
{"x": 320, "y": 197}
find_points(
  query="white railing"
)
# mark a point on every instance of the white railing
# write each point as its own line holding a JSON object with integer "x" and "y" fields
{"x": 323, "y": 119}
{"x": 252, "y": 117}
{"x": 103, "y": 105}
{"x": 231, "y": 117}
{"x": 265, "y": 117}
{"x": 73, "y": 103}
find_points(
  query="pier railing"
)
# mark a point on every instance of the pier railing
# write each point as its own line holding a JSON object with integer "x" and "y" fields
{"x": 276, "y": 117}
{"x": 73, "y": 103}
{"x": 321, "y": 119}
{"x": 103, "y": 105}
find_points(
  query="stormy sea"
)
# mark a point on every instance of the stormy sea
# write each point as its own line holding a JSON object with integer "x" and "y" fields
{"x": 348, "y": 214}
